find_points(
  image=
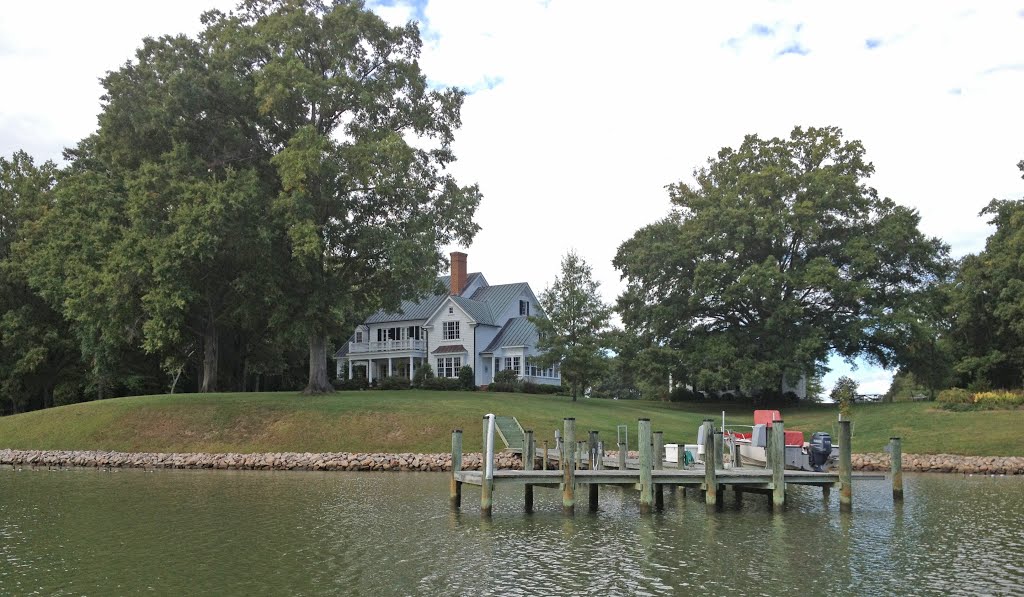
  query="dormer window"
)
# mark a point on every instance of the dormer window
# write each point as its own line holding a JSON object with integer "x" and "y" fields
{"x": 451, "y": 310}
{"x": 524, "y": 307}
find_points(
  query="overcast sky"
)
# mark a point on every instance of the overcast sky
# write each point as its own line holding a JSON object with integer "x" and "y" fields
{"x": 581, "y": 112}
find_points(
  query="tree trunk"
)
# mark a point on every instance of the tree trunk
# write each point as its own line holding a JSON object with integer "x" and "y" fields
{"x": 318, "y": 382}
{"x": 210, "y": 358}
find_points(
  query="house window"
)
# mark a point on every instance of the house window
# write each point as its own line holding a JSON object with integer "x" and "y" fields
{"x": 512, "y": 363}
{"x": 448, "y": 366}
{"x": 450, "y": 330}
{"x": 524, "y": 307}
{"x": 451, "y": 310}
{"x": 359, "y": 336}
{"x": 532, "y": 370}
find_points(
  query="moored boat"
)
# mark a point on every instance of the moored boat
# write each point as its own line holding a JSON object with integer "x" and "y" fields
{"x": 818, "y": 454}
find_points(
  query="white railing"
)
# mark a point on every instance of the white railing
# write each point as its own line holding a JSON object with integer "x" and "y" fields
{"x": 387, "y": 346}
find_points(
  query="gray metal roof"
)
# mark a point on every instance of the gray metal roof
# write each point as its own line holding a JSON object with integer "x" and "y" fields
{"x": 344, "y": 347}
{"x": 422, "y": 307}
{"x": 518, "y": 331}
{"x": 479, "y": 311}
{"x": 499, "y": 297}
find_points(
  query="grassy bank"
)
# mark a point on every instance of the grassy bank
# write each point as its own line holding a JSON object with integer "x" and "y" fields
{"x": 415, "y": 421}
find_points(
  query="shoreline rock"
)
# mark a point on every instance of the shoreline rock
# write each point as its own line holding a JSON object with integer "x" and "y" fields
{"x": 410, "y": 462}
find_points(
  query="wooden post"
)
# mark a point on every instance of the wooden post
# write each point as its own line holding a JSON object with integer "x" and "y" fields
{"x": 718, "y": 439}
{"x": 581, "y": 447}
{"x": 623, "y": 449}
{"x": 659, "y": 458}
{"x": 896, "y": 460}
{"x": 710, "y": 465}
{"x": 455, "y": 493}
{"x": 529, "y": 454}
{"x": 486, "y": 485}
{"x": 736, "y": 454}
{"x": 845, "y": 467}
{"x": 777, "y": 446}
{"x": 594, "y": 459}
{"x": 544, "y": 460}
{"x": 559, "y": 450}
{"x": 600, "y": 451}
{"x": 568, "y": 474}
{"x": 646, "y": 485}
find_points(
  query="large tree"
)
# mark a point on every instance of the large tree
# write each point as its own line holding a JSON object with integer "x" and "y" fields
{"x": 987, "y": 306}
{"x": 777, "y": 254}
{"x": 360, "y": 143}
{"x": 573, "y": 327}
{"x": 37, "y": 357}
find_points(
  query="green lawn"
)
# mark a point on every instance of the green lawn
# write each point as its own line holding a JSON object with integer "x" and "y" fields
{"x": 418, "y": 421}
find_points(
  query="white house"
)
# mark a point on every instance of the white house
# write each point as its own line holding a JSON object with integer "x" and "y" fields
{"x": 476, "y": 324}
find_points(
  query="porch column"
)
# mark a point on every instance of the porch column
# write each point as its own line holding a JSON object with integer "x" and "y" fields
{"x": 350, "y": 368}
{"x": 369, "y": 370}
{"x": 390, "y": 373}
{"x": 410, "y": 368}
{"x": 522, "y": 366}
{"x": 494, "y": 366}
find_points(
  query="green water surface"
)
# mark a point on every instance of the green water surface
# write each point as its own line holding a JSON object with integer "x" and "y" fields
{"x": 95, "y": 532}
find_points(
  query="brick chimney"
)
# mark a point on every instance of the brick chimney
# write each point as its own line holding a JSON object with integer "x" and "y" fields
{"x": 458, "y": 272}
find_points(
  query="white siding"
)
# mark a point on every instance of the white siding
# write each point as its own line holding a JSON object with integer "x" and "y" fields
{"x": 465, "y": 338}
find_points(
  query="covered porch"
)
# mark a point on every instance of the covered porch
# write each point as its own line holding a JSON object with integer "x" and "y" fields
{"x": 378, "y": 367}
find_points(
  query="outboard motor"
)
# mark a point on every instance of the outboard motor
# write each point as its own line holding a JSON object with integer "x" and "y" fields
{"x": 819, "y": 450}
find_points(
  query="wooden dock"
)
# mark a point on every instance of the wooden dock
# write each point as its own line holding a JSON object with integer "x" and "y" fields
{"x": 575, "y": 465}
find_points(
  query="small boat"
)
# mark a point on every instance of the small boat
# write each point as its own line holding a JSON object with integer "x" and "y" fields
{"x": 818, "y": 454}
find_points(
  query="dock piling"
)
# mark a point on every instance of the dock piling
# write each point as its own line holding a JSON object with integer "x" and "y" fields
{"x": 896, "y": 460}
{"x": 646, "y": 479}
{"x": 594, "y": 459}
{"x": 845, "y": 467}
{"x": 658, "y": 464}
{"x": 736, "y": 463}
{"x": 568, "y": 474}
{"x": 487, "y": 467}
{"x": 710, "y": 464}
{"x": 777, "y": 447}
{"x": 559, "y": 449}
{"x": 719, "y": 463}
{"x": 623, "y": 448}
{"x": 544, "y": 460}
{"x": 529, "y": 454}
{"x": 455, "y": 492}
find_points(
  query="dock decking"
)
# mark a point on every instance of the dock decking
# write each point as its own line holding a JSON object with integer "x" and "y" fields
{"x": 647, "y": 473}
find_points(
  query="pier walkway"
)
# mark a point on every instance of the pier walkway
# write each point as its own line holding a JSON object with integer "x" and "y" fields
{"x": 647, "y": 474}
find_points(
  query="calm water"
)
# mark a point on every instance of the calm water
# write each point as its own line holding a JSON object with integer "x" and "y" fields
{"x": 88, "y": 532}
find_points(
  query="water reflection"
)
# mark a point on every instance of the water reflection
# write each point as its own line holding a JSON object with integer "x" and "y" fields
{"x": 177, "y": 532}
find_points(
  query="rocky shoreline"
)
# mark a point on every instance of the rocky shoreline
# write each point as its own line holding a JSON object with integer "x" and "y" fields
{"x": 350, "y": 461}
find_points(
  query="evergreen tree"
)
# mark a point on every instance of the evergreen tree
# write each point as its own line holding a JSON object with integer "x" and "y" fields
{"x": 571, "y": 332}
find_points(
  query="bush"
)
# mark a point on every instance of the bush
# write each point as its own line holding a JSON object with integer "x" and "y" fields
{"x": 446, "y": 384}
{"x": 506, "y": 376}
{"x": 393, "y": 382}
{"x": 727, "y": 396}
{"x": 467, "y": 381}
{"x": 954, "y": 396}
{"x": 528, "y": 387}
{"x": 999, "y": 399}
{"x": 421, "y": 375}
{"x": 682, "y": 394}
{"x": 958, "y": 399}
{"x": 359, "y": 383}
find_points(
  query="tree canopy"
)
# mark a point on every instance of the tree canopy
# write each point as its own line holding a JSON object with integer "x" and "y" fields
{"x": 572, "y": 329}
{"x": 987, "y": 304}
{"x": 261, "y": 185}
{"x": 777, "y": 254}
